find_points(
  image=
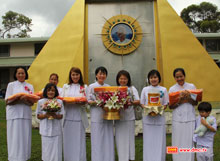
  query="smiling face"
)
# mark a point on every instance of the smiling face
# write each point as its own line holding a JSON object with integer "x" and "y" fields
{"x": 20, "y": 75}
{"x": 154, "y": 80}
{"x": 75, "y": 77}
{"x": 180, "y": 78}
{"x": 123, "y": 80}
{"x": 51, "y": 93}
{"x": 53, "y": 79}
{"x": 101, "y": 76}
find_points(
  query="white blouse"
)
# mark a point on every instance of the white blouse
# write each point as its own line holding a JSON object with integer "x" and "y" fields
{"x": 96, "y": 112}
{"x": 164, "y": 98}
{"x": 128, "y": 114}
{"x": 20, "y": 110}
{"x": 184, "y": 112}
{"x": 49, "y": 127}
{"x": 73, "y": 111}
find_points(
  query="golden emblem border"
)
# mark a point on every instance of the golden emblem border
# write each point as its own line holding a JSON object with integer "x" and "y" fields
{"x": 115, "y": 47}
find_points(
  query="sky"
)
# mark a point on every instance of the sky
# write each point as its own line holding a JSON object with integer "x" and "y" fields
{"x": 46, "y": 15}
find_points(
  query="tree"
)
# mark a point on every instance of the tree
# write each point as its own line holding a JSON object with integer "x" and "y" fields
{"x": 15, "y": 23}
{"x": 202, "y": 18}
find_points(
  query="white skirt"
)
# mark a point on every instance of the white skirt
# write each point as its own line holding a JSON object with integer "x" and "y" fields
{"x": 154, "y": 141}
{"x": 102, "y": 141}
{"x": 19, "y": 139}
{"x": 182, "y": 137}
{"x": 74, "y": 141}
{"x": 51, "y": 148}
{"x": 125, "y": 139}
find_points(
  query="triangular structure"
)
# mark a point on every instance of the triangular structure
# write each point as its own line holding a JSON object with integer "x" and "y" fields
{"x": 64, "y": 49}
{"x": 178, "y": 47}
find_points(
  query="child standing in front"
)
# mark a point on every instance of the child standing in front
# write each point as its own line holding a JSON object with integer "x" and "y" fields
{"x": 154, "y": 130}
{"x": 205, "y": 141}
{"x": 50, "y": 125}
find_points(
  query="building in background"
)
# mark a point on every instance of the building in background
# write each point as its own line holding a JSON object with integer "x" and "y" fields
{"x": 17, "y": 52}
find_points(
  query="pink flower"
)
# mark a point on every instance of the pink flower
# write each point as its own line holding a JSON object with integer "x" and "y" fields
{"x": 27, "y": 89}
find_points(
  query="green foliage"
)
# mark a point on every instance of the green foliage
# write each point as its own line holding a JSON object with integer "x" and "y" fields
{"x": 202, "y": 18}
{"x": 15, "y": 23}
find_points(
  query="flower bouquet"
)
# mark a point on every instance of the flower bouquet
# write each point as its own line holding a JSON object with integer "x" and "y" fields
{"x": 112, "y": 99}
{"x": 51, "y": 106}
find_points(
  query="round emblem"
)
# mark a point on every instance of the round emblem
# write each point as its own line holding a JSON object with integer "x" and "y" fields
{"x": 121, "y": 34}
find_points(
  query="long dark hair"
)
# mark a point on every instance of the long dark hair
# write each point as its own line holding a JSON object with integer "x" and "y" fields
{"x": 48, "y": 87}
{"x": 76, "y": 70}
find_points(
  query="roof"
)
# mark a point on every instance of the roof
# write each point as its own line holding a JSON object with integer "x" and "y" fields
{"x": 16, "y": 61}
{"x": 93, "y": 1}
{"x": 22, "y": 40}
{"x": 207, "y": 35}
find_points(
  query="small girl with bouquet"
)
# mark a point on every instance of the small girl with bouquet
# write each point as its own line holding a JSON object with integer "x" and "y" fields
{"x": 50, "y": 112}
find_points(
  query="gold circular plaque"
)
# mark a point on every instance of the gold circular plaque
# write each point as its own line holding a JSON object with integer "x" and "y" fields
{"x": 121, "y": 34}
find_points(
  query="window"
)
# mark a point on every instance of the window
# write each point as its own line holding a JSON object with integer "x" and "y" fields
{"x": 38, "y": 47}
{"x": 4, "y": 79}
{"x": 218, "y": 41}
{"x": 4, "y": 50}
{"x": 211, "y": 45}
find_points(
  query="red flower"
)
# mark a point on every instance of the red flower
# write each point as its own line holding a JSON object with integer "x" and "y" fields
{"x": 27, "y": 89}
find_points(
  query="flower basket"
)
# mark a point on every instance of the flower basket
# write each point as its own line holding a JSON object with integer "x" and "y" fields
{"x": 112, "y": 99}
{"x": 111, "y": 114}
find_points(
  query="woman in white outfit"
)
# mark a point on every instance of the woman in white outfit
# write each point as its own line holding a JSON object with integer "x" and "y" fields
{"x": 102, "y": 137}
{"x": 125, "y": 127}
{"x": 183, "y": 119}
{"x": 75, "y": 119}
{"x": 154, "y": 129}
{"x": 18, "y": 115}
{"x": 54, "y": 78}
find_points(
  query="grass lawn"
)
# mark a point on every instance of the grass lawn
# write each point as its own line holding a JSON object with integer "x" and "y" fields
{"x": 36, "y": 142}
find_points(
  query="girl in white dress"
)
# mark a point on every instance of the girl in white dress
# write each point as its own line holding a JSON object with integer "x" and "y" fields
{"x": 50, "y": 129}
{"x": 183, "y": 118}
{"x": 102, "y": 137}
{"x": 75, "y": 120}
{"x": 18, "y": 115}
{"x": 125, "y": 127}
{"x": 54, "y": 78}
{"x": 154, "y": 130}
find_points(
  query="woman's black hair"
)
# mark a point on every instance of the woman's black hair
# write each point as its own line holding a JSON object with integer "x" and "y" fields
{"x": 205, "y": 106}
{"x": 48, "y": 87}
{"x": 76, "y": 70}
{"x": 152, "y": 73}
{"x": 102, "y": 69}
{"x": 179, "y": 70}
{"x": 25, "y": 70}
{"x": 126, "y": 74}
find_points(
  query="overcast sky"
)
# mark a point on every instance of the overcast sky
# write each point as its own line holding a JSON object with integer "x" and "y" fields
{"x": 47, "y": 14}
